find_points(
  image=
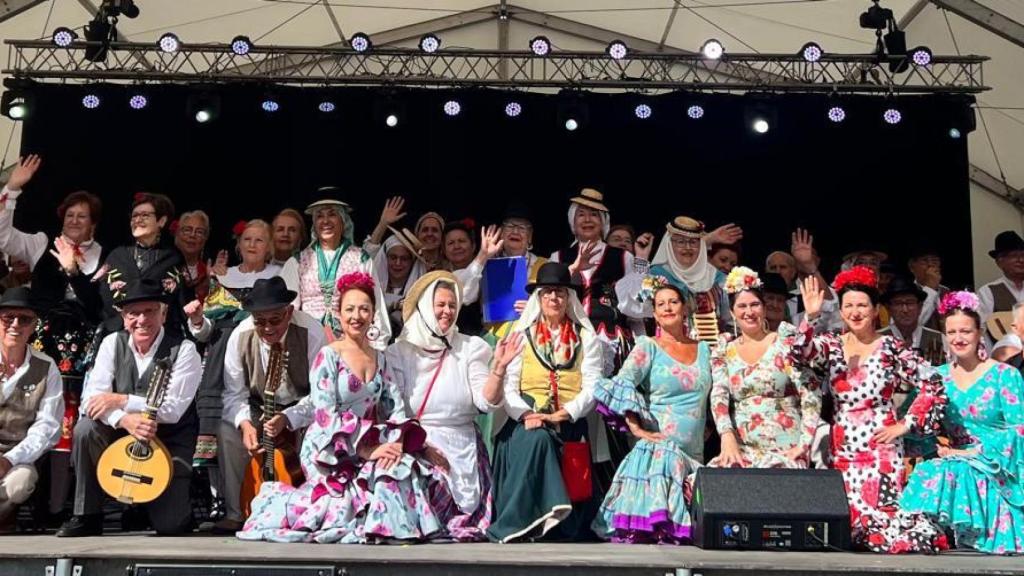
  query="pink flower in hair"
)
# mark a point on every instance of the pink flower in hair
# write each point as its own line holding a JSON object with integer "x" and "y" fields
{"x": 961, "y": 300}
{"x": 357, "y": 280}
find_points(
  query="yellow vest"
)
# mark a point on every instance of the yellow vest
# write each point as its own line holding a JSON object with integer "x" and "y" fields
{"x": 535, "y": 381}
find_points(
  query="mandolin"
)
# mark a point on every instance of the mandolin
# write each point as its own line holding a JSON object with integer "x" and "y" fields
{"x": 136, "y": 471}
{"x": 279, "y": 460}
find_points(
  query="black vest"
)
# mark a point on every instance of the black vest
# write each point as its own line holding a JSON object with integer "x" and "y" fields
{"x": 599, "y": 298}
{"x": 128, "y": 381}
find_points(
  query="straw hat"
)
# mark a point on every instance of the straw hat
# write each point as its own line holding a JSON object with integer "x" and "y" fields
{"x": 412, "y": 298}
{"x": 591, "y": 199}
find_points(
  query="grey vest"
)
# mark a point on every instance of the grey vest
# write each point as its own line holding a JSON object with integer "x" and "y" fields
{"x": 296, "y": 377}
{"x": 18, "y": 411}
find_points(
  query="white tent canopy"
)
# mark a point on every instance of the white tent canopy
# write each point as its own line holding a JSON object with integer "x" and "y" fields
{"x": 984, "y": 27}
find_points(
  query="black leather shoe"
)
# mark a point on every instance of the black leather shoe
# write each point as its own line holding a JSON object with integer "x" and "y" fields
{"x": 78, "y": 526}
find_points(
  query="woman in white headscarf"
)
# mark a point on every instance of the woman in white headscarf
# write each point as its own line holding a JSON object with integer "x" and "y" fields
{"x": 446, "y": 379}
{"x": 549, "y": 391}
{"x": 682, "y": 259}
{"x": 399, "y": 265}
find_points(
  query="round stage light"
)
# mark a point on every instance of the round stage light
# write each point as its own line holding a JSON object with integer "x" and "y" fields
{"x": 91, "y": 101}
{"x": 270, "y": 105}
{"x": 18, "y": 109}
{"x": 203, "y": 116}
{"x": 954, "y": 133}
{"x": 712, "y": 49}
{"x": 169, "y": 43}
{"x": 571, "y": 124}
{"x": 617, "y": 50}
{"x": 892, "y": 116}
{"x": 360, "y": 42}
{"x": 241, "y": 45}
{"x": 695, "y": 112}
{"x": 326, "y": 107}
{"x": 761, "y": 126}
{"x": 64, "y": 36}
{"x": 138, "y": 102}
{"x": 430, "y": 44}
{"x": 452, "y": 108}
{"x": 836, "y": 114}
{"x": 513, "y": 109}
{"x": 391, "y": 120}
{"x": 540, "y": 46}
{"x": 643, "y": 111}
{"x": 921, "y": 56}
{"x": 811, "y": 52}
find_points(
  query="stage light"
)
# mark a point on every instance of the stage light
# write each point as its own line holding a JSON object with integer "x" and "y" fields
{"x": 540, "y": 46}
{"x": 643, "y": 111}
{"x": 892, "y": 116}
{"x": 169, "y": 43}
{"x": 15, "y": 105}
{"x": 270, "y": 104}
{"x": 203, "y": 116}
{"x": 761, "y": 126}
{"x": 695, "y": 112}
{"x": 326, "y": 107}
{"x": 513, "y": 109}
{"x": 391, "y": 120}
{"x": 954, "y": 133}
{"x": 360, "y": 42}
{"x": 64, "y": 36}
{"x": 203, "y": 108}
{"x": 573, "y": 112}
{"x": 138, "y": 101}
{"x": 430, "y": 43}
{"x": 452, "y": 108}
{"x": 812, "y": 52}
{"x": 922, "y": 56}
{"x": 617, "y": 50}
{"x": 99, "y": 33}
{"x": 91, "y": 101}
{"x": 241, "y": 45}
{"x": 836, "y": 114}
{"x": 712, "y": 49}
{"x": 571, "y": 124}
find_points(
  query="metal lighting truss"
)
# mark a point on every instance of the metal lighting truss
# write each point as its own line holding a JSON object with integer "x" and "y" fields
{"x": 41, "y": 60}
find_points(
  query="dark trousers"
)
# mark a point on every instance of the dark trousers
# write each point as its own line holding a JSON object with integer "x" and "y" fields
{"x": 169, "y": 514}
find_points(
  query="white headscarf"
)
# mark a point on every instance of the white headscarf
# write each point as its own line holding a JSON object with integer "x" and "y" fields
{"x": 606, "y": 221}
{"x": 532, "y": 312}
{"x": 421, "y": 328}
{"x": 700, "y": 277}
{"x": 380, "y": 264}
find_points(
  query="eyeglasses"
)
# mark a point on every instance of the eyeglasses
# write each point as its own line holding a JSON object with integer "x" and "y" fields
{"x": 190, "y": 231}
{"x": 512, "y": 227}
{"x": 268, "y": 321}
{"x": 555, "y": 294}
{"x": 685, "y": 241}
{"x": 23, "y": 319}
{"x": 137, "y": 313}
{"x": 143, "y": 216}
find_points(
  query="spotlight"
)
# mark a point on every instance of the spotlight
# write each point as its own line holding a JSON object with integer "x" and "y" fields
{"x": 91, "y": 101}
{"x": 921, "y": 56}
{"x": 15, "y": 104}
{"x": 241, "y": 45}
{"x": 169, "y": 43}
{"x": 452, "y": 108}
{"x": 391, "y": 120}
{"x": 643, "y": 111}
{"x": 573, "y": 112}
{"x": 695, "y": 112}
{"x": 571, "y": 124}
{"x": 761, "y": 115}
{"x": 513, "y": 109}
{"x": 617, "y": 49}
{"x": 99, "y": 33}
{"x": 326, "y": 107}
{"x": 811, "y": 52}
{"x": 64, "y": 36}
{"x": 876, "y": 17}
{"x": 954, "y": 133}
{"x": 270, "y": 103}
{"x": 360, "y": 42}
{"x": 761, "y": 126}
{"x": 836, "y": 114}
{"x": 116, "y": 8}
{"x": 430, "y": 43}
{"x": 892, "y": 116}
{"x": 712, "y": 49}
{"x": 203, "y": 108}
{"x": 540, "y": 46}
{"x": 138, "y": 101}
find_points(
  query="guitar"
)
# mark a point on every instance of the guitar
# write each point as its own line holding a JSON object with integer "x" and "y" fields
{"x": 279, "y": 461}
{"x": 136, "y": 471}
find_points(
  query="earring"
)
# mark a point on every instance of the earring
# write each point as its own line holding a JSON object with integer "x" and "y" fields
{"x": 372, "y": 333}
{"x": 982, "y": 352}
{"x": 765, "y": 326}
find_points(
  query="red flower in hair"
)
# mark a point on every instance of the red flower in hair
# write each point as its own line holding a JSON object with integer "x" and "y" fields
{"x": 140, "y": 196}
{"x": 469, "y": 223}
{"x": 239, "y": 227}
{"x": 174, "y": 226}
{"x": 860, "y": 275}
{"x": 357, "y": 280}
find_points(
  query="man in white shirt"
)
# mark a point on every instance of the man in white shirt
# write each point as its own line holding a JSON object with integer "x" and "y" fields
{"x": 113, "y": 403}
{"x": 1001, "y": 294}
{"x": 273, "y": 321}
{"x": 31, "y": 403}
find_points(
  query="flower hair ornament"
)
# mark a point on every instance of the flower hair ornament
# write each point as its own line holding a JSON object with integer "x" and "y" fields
{"x": 650, "y": 285}
{"x": 742, "y": 278}
{"x": 961, "y": 300}
{"x": 858, "y": 275}
{"x": 239, "y": 228}
{"x": 354, "y": 280}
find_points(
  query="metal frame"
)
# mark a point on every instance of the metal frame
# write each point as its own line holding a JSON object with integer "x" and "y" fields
{"x": 985, "y": 17}
{"x": 41, "y": 60}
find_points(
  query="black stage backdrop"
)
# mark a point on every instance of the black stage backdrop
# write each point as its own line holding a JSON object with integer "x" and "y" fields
{"x": 858, "y": 183}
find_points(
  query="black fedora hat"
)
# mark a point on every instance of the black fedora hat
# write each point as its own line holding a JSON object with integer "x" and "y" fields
{"x": 772, "y": 283}
{"x": 554, "y": 274}
{"x": 1006, "y": 241}
{"x": 19, "y": 297}
{"x": 143, "y": 290}
{"x": 903, "y": 285}
{"x": 268, "y": 294}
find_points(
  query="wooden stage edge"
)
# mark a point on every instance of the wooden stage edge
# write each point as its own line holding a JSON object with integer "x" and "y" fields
{"x": 146, "y": 555}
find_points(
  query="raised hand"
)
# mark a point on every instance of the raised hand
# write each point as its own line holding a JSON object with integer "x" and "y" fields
{"x": 490, "y": 242}
{"x": 643, "y": 246}
{"x": 507, "y": 350}
{"x": 392, "y": 211}
{"x": 65, "y": 255}
{"x": 813, "y": 295}
{"x": 584, "y": 257}
{"x": 220, "y": 267}
{"x": 24, "y": 171}
{"x": 725, "y": 234}
{"x": 194, "y": 311}
{"x": 802, "y": 248}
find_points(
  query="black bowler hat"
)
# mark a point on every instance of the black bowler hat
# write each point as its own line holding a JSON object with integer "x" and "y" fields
{"x": 772, "y": 283}
{"x": 268, "y": 294}
{"x": 143, "y": 290}
{"x": 554, "y": 275}
{"x": 903, "y": 285}
{"x": 1007, "y": 241}
{"x": 19, "y": 297}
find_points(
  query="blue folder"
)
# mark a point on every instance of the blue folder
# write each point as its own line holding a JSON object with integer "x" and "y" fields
{"x": 503, "y": 283}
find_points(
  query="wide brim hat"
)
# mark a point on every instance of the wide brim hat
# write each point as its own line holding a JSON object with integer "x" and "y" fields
{"x": 903, "y": 285}
{"x": 772, "y": 283}
{"x": 312, "y": 208}
{"x": 591, "y": 199}
{"x": 686, "y": 226}
{"x": 882, "y": 256}
{"x": 268, "y": 294}
{"x": 412, "y": 297}
{"x": 143, "y": 290}
{"x": 407, "y": 239}
{"x": 1006, "y": 241}
{"x": 554, "y": 275}
{"x": 20, "y": 297}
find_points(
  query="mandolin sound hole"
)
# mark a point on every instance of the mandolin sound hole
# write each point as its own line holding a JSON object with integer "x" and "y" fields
{"x": 138, "y": 451}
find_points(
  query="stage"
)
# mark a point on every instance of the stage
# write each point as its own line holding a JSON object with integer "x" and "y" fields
{"x": 203, "y": 555}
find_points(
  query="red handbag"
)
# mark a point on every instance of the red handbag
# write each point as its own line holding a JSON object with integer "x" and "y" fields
{"x": 576, "y": 471}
